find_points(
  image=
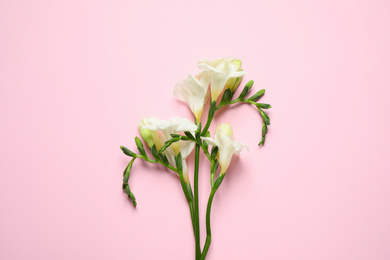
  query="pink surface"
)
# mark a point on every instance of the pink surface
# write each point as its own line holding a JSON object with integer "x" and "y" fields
{"x": 77, "y": 76}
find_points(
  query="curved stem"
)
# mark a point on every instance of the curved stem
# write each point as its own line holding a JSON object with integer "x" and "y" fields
{"x": 196, "y": 203}
{"x": 208, "y": 213}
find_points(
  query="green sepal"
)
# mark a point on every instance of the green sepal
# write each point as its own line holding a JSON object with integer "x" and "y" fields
{"x": 186, "y": 187}
{"x": 258, "y": 95}
{"x": 225, "y": 97}
{"x": 214, "y": 152}
{"x": 155, "y": 152}
{"x": 216, "y": 164}
{"x": 189, "y": 135}
{"x": 231, "y": 95}
{"x": 263, "y": 105}
{"x": 164, "y": 158}
{"x": 127, "y": 151}
{"x": 168, "y": 143}
{"x": 131, "y": 195}
{"x": 179, "y": 165}
{"x": 219, "y": 180}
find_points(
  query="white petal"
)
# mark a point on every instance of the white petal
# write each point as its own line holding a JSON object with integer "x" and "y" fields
{"x": 186, "y": 148}
{"x": 238, "y": 147}
{"x": 210, "y": 141}
{"x": 225, "y": 156}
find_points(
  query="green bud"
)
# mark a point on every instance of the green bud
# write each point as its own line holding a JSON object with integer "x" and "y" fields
{"x": 126, "y": 173}
{"x": 127, "y": 151}
{"x": 258, "y": 95}
{"x": 265, "y": 117}
{"x": 264, "y": 133}
{"x": 246, "y": 89}
{"x": 140, "y": 146}
{"x": 263, "y": 105}
{"x": 131, "y": 195}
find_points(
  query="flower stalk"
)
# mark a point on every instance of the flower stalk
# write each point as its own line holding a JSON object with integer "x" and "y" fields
{"x": 170, "y": 142}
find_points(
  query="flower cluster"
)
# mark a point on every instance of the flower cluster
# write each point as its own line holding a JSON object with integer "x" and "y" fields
{"x": 171, "y": 141}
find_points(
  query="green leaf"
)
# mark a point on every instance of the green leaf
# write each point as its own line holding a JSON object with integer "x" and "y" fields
{"x": 127, "y": 151}
{"x": 258, "y": 95}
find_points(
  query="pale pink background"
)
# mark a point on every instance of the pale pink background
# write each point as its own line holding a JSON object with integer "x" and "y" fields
{"x": 76, "y": 77}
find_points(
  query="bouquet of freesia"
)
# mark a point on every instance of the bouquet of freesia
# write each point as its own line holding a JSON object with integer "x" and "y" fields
{"x": 171, "y": 141}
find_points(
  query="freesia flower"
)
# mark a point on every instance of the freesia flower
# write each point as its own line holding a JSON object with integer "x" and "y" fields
{"x": 220, "y": 71}
{"x": 174, "y": 126}
{"x": 194, "y": 92}
{"x": 226, "y": 146}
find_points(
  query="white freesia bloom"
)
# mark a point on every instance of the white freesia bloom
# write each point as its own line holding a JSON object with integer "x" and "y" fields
{"x": 174, "y": 126}
{"x": 220, "y": 71}
{"x": 194, "y": 92}
{"x": 226, "y": 146}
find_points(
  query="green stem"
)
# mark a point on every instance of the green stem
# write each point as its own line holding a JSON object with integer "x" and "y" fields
{"x": 196, "y": 202}
{"x": 191, "y": 204}
{"x": 210, "y": 117}
{"x": 208, "y": 226}
{"x": 212, "y": 173}
{"x": 208, "y": 213}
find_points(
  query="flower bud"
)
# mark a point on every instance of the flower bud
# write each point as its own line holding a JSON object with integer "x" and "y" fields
{"x": 146, "y": 134}
{"x": 233, "y": 83}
